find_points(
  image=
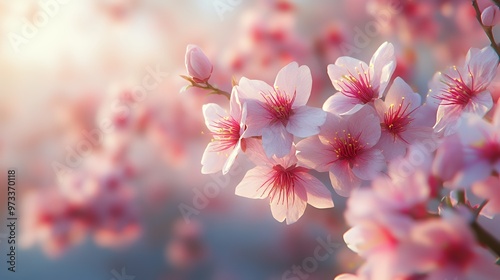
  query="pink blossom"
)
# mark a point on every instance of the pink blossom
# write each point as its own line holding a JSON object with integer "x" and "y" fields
{"x": 490, "y": 16}
{"x": 379, "y": 241}
{"x": 288, "y": 185}
{"x": 398, "y": 112}
{"x": 489, "y": 189}
{"x": 464, "y": 89}
{"x": 345, "y": 148}
{"x": 227, "y": 132}
{"x": 198, "y": 65}
{"x": 358, "y": 83}
{"x": 347, "y": 276}
{"x": 389, "y": 197}
{"x": 481, "y": 147}
{"x": 446, "y": 249}
{"x": 278, "y": 113}
{"x": 449, "y": 160}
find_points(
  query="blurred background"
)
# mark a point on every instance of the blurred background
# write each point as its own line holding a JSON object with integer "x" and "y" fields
{"x": 107, "y": 148}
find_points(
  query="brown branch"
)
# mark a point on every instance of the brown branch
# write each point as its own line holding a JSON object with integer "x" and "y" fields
{"x": 486, "y": 238}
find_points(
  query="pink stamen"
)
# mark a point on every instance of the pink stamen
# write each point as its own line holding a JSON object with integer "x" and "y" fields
{"x": 279, "y": 104}
{"x": 227, "y": 133}
{"x": 397, "y": 119}
{"x": 359, "y": 88}
{"x": 458, "y": 92}
{"x": 281, "y": 184}
{"x": 346, "y": 146}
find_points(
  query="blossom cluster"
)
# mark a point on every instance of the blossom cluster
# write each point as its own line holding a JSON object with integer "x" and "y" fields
{"x": 390, "y": 153}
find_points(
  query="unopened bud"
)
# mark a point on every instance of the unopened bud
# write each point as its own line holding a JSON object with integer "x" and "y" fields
{"x": 490, "y": 16}
{"x": 198, "y": 65}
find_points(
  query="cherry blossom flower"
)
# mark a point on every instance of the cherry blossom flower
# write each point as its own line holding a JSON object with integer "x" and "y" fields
{"x": 489, "y": 189}
{"x": 227, "y": 131}
{"x": 358, "y": 83}
{"x": 379, "y": 240}
{"x": 278, "y": 113}
{"x": 389, "y": 197}
{"x": 481, "y": 148}
{"x": 447, "y": 249}
{"x": 398, "y": 112}
{"x": 464, "y": 89}
{"x": 345, "y": 148}
{"x": 286, "y": 183}
{"x": 198, "y": 65}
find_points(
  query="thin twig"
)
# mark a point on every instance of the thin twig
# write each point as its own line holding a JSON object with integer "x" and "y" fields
{"x": 486, "y": 238}
{"x": 487, "y": 29}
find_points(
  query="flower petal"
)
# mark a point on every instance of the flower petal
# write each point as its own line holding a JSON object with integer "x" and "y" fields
{"x": 383, "y": 62}
{"x": 483, "y": 65}
{"x": 317, "y": 193}
{"x": 235, "y": 109}
{"x": 447, "y": 118}
{"x": 256, "y": 119}
{"x": 211, "y": 160}
{"x": 295, "y": 80}
{"x": 252, "y": 89}
{"x": 306, "y": 121}
{"x": 231, "y": 158}
{"x": 213, "y": 113}
{"x": 342, "y": 178}
{"x": 314, "y": 154}
{"x": 255, "y": 183}
{"x": 391, "y": 147}
{"x": 368, "y": 164}
{"x": 480, "y": 104}
{"x": 342, "y": 105}
{"x": 276, "y": 140}
{"x": 366, "y": 124}
{"x": 292, "y": 210}
{"x": 401, "y": 93}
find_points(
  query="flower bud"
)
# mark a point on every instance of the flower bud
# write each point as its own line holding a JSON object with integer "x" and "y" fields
{"x": 490, "y": 16}
{"x": 198, "y": 65}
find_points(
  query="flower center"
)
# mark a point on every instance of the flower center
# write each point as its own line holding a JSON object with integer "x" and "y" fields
{"x": 489, "y": 150}
{"x": 346, "y": 146}
{"x": 456, "y": 254}
{"x": 457, "y": 91}
{"x": 279, "y": 105}
{"x": 282, "y": 183}
{"x": 227, "y": 134}
{"x": 357, "y": 86}
{"x": 397, "y": 119}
